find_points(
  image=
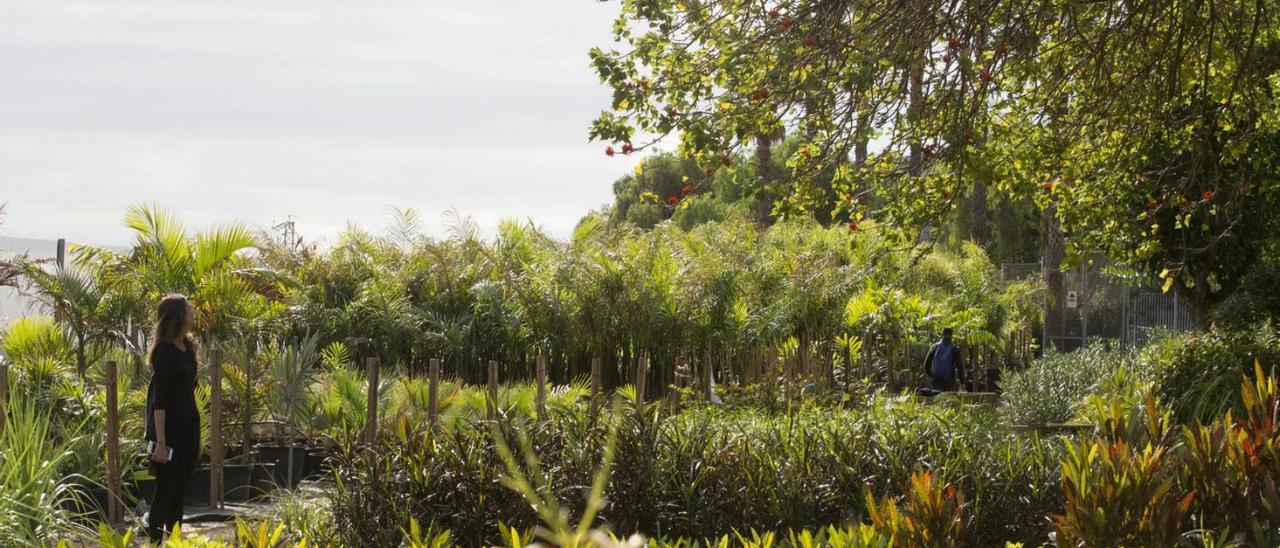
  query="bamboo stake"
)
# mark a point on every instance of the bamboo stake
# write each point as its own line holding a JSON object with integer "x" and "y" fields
{"x": 433, "y": 393}
{"x": 371, "y": 421}
{"x": 542, "y": 386}
{"x": 114, "y": 513}
{"x": 215, "y": 429}
{"x": 491, "y": 406}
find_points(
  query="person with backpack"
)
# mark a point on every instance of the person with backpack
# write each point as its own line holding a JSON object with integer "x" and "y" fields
{"x": 944, "y": 365}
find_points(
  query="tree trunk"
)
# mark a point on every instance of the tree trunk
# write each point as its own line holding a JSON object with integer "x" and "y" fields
{"x": 916, "y": 157}
{"x": 1054, "y": 252}
{"x": 1199, "y": 301}
{"x": 765, "y": 177}
{"x": 81, "y": 359}
{"x": 860, "y": 147}
{"x": 980, "y": 227}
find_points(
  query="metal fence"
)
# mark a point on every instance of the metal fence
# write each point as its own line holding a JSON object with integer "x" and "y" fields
{"x": 14, "y": 305}
{"x": 1149, "y": 312}
{"x": 1103, "y": 306}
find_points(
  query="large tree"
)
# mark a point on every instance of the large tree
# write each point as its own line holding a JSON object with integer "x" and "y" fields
{"x": 1134, "y": 103}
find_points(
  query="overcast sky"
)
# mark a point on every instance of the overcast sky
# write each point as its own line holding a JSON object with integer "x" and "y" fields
{"x": 328, "y": 111}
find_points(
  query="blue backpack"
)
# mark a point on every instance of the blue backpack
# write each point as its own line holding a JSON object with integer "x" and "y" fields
{"x": 944, "y": 359}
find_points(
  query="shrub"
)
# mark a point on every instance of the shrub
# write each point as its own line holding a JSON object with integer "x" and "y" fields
{"x": 1256, "y": 301}
{"x": 1198, "y": 374}
{"x": 1142, "y": 481}
{"x": 707, "y": 472}
{"x": 37, "y": 494}
{"x": 1052, "y": 389}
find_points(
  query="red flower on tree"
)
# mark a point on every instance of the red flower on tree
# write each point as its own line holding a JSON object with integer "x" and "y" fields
{"x": 955, "y": 43}
{"x": 608, "y": 151}
{"x": 672, "y": 199}
{"x": 810, "y": 41}
{"x": 627, "y": 148}
{"x": 787, "y": 22}
{"x": 1208, "y": 195}
{"x": 685, "y": 189}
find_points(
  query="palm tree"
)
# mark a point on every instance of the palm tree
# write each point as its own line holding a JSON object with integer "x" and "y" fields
{"x": 76, "y": 300}
{"x": 210, "y": 267}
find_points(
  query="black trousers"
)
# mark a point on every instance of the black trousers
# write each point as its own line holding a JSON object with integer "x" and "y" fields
{"x": 171, "y": 489}
{"x": 944, "y": 384}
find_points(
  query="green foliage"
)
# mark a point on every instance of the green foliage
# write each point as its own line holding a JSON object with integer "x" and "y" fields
{"x": 1153, "y": 132}
{"x": 703, "y": 473}
{"x": 1141, "y": 481}
{"x": 1052, "y": 389}
{"x": 42, "y": 361}
{"x": 41, "y": 498}
{"x": 719, "y": 293}
{"x": 1198, "y": 373}
{"x": 1256, "y": 301}
{"x": 302, "y": 515}
{"x": 1118, "y": 489}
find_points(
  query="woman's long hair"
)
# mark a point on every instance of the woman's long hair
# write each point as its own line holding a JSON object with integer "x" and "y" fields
{"x": 171, "y": 316}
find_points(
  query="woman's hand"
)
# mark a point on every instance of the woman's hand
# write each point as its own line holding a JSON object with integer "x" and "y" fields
{"x": 161, "y": 454}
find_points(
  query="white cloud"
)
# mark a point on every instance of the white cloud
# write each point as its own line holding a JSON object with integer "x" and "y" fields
{"x": 327, "y": 111}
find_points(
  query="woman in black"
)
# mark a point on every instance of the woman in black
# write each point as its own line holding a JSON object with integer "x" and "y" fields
{"x": 173, "y": 422}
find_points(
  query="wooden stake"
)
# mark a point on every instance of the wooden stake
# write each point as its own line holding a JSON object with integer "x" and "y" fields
{"x": 642, "y": 373}
{"x": 4, "y": 393}
{"x": 492, "y": 401}
{"x": 706, "y": 375}
{"x": 542, "y": 386}
{"x": 371, "y": 420}
{"x": 114, "y": 513}
{"x": 595, "y": 384}
{"x": 215, "y": 431}
{"x": 433, "y": 397}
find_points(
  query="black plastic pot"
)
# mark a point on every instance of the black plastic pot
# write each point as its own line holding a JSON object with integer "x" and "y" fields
{"x": 93, "y": 499}
{"x": 262, "y": 482}
{"x": 289, "y": 463}
{"x": 316, "y": 463}
{"x": 240, "y": 483}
